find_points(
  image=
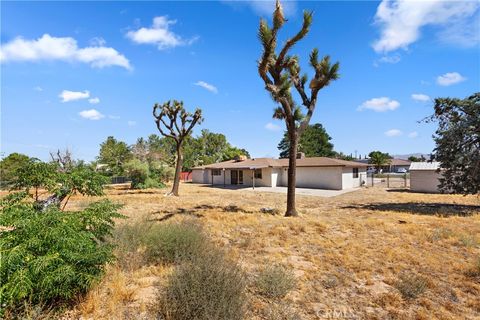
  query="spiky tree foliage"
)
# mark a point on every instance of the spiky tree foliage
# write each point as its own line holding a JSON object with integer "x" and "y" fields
{"x": 458, "y": 143}
{"x": 379, "y": 159}
{"x": 281, "y": 72}
{"x": 174, "y": 122}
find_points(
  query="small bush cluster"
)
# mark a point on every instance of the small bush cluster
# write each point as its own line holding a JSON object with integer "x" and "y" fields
{"x": 51, "y": 256}
{"x": 145, "y": 241}
{"x": 204, "y": 284}
{"x": 146, "y": 175}
{"x": 207, "y": 287}
{"x": 275, "y": 281}
{"x": 411, "y": 285}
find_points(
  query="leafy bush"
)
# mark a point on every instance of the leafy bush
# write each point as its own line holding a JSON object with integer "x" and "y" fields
{"x": 51, "y": 256}
{"x": 207, "y": 287}
{"x": 173, "y": 242}
{"x": 275, "y": 281}
{"x": 411, "y": 285}
{"x": 144, "y": 175}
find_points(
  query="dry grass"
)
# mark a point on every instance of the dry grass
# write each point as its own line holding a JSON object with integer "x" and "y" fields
{"x": 346, "y": 253}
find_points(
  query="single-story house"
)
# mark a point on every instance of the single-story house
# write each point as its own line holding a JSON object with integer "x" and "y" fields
{"x": 315, "y": 172}
{"x": 424, "y": 176}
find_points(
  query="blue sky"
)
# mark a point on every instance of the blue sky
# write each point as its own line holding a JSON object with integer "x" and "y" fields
{"x": 74, "y": 73}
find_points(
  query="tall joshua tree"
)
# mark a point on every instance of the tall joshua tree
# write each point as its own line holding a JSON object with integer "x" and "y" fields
{"x": 280, "y": 72}
{"x": 173, "y": 121}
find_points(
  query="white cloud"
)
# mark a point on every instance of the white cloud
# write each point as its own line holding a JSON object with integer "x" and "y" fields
{"x": 38, "y": 89}
{"x": 94, "y": 100}
{"x": 206, "y": 86}
{"x": 272, "y": 127}
{"x": 413, "y": 134}
{"x": 131, "y": 123}
{"x": 420, "y": 97}
{"x": 401, "y": 21}
{"x": 97, "y": 42}
{"x": 393, "y": 133}
{"x": 91, "y": 114}
{"x": 379, "y": 104}
{"x": 450, "y": 78}
{"x": 265, "y": 7}
{"x": 68, "y": 95}
{"x": 65, "y": 49}
{"x": 159, "y": 34}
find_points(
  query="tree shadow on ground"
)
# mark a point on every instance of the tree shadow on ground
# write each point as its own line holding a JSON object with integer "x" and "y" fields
{"x": 420, "y": 208}
{"x": 168, "y": 214}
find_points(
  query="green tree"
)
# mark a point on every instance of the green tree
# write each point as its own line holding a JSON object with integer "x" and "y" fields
{"x": 280, "y": 72}
{"x": 417, "y": 159}
{"x": 9, "y": 166}
{"x": 174, "y": 122}
{"x": 457, "y": 140}
{"x": 379, "y": 159}
{"x": 114, "y": 154}
{"x": 314, "y": 142}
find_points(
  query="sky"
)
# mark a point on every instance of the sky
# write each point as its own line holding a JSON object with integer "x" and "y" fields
{"x": 74, "y": 73}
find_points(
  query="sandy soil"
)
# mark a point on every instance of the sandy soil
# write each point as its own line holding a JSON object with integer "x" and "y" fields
{"x": 347, "y": 252}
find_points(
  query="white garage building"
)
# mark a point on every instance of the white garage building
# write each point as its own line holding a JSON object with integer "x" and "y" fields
{"x": 316, "y": 172}
{"x": 424, "y": 176}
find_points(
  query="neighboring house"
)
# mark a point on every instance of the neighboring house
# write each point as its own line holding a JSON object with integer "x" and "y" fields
{"x": 424, "y": 176}
{"x": 318, "y": 172}
{"x": 393, "y": 166}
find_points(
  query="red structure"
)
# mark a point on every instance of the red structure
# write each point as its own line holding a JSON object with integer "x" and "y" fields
{"x": 186, "y": 176}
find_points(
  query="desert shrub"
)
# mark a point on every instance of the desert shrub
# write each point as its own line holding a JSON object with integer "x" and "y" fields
{"x": 161, "y": 172}
{"x": 275, "y": 311}
{"x": 128, "y": 241}
{"x": 51, "y": 256}
{"x": 474, "y": 270}
{"x": 173, "y": 242}
{"x": 275, "y": 281}
{"x": 208, "y": 287}
{"x": 151, "y": 183}
{"x": 411, "y": 285}
{"x": 440, "y": 234}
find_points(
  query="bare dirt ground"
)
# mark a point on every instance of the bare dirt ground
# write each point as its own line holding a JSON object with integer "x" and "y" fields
{"x": 347, "y": 252}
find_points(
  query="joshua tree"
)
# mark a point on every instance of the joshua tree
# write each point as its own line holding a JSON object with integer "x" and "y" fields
{"x": 173, "y": 121}
{"x": 281, "y": 72}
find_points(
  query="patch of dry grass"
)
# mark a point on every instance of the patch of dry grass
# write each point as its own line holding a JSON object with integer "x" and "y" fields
{"x": 346, "y": 252}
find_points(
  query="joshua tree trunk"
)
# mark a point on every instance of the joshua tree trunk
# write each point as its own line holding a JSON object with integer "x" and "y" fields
{"x": 174, "y": 122}
{"x": 292, "y": 168}
{"x": 280, "y": 72}
{"x": 178, "y": 171}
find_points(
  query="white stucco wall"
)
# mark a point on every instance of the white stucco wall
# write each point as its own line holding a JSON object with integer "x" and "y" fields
{"x": 348, "y": 181}
{"x": 424, "y": 181}
{"x": 199, "y": 176}
{"x": 319, "y": 177}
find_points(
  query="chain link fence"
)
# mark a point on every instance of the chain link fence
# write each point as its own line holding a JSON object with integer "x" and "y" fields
{"x": 389, "y": 180}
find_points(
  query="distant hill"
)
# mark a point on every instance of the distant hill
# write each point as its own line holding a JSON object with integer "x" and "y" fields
{"x": 405, "y": 156}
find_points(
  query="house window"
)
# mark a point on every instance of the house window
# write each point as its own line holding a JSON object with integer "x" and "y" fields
{"x": 258, "y": 173}
{"x": 216, "y": 172}
{"x": 355, "y": 172}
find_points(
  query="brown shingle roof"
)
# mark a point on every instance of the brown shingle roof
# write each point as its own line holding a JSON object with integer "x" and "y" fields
{"x": 275, "y": 163}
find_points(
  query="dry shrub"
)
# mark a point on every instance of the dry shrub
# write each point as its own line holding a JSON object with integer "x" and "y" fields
{"x": 439, "y": 234}
{"x": 147, "y": 242}
{"x": 275, "y": 281}
{"x": 411, "y": 285}
{"x": 474, "y": 270}
{"x": 275, "y": 311}
{"x": 174, "y": 242}
{"x": 208, "y": 287}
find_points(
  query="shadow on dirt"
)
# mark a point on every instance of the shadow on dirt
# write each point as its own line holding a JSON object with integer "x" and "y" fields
{"x": 433, "y": 209}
